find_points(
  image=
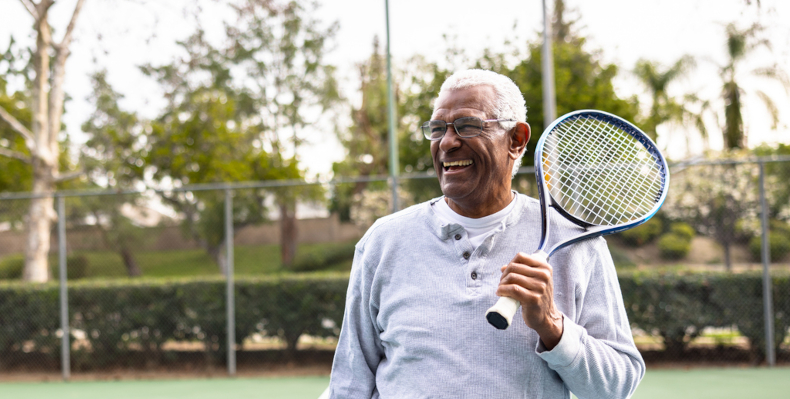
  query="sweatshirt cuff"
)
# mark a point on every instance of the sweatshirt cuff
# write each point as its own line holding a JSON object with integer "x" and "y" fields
{"x": 567, "y": 349}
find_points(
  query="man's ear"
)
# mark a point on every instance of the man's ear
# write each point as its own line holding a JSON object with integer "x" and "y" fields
{"x": 519, "y": 137}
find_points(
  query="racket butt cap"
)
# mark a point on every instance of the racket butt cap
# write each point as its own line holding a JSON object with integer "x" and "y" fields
{"x": 497, "y": 320}
{"x": 501, "y": 314}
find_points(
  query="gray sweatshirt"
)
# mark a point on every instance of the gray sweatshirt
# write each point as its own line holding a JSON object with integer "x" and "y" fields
{"x": 415, "y": 327}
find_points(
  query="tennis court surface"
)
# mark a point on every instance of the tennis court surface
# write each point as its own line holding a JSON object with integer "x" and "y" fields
{"x": 676, "y": 384}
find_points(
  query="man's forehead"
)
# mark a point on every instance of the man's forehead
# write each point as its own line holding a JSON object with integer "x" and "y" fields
{"x": 479, "y": 97}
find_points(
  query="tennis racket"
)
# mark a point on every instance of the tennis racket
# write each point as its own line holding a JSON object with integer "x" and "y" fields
{"x": 598, "y": 171}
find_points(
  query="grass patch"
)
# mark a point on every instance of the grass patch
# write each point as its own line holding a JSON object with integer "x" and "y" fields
{"x": 248, "y": 260}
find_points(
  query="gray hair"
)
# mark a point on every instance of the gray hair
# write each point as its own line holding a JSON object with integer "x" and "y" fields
{"x": 508, "y": 101}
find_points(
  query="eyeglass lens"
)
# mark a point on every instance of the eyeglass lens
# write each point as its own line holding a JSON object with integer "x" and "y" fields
{"x": 464, "y": 127}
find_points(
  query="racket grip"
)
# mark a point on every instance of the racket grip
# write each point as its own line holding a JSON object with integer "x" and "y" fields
{"x": 501, "y": 314}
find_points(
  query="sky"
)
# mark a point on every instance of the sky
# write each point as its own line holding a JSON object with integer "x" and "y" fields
{"x": 120, "y": 35}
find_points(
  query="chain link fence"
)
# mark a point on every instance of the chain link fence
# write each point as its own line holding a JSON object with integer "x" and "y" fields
{"x": 155, "y": 280}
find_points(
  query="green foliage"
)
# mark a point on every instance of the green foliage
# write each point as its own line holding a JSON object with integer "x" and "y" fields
{"x": 673, "y": 246}
{"x": 665, "y": 108}
{"x": 15, "y": 174}
{"x": 119, "y": 317}
{"x": 77, "y": 267}
{"x": 586, "y": 81}
{"x": 234, "y": 110}
{"x": 644, "y": 233}
{"x": 683, "y": 230}
{"x": 778, "y": 246}
{"x": 777, "y": 182}
{"x": 740, "y": 44}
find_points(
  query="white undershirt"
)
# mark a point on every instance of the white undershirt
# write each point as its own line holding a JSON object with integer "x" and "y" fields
{"x": 478, "y": 229}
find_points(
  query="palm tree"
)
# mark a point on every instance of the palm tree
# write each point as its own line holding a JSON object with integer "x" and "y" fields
{"x": 664, "y": 108}
{"x": 741, "y": 43}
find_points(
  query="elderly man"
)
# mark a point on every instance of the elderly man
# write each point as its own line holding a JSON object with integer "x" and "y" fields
{"x": 423, "y": 278}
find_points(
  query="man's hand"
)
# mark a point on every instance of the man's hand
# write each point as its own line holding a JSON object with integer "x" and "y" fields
{"x": 528, "y": 279}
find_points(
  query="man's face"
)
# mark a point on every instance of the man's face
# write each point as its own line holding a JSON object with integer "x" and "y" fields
{"x": 482, "y": 179}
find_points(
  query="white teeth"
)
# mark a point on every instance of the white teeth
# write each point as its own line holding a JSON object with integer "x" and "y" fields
{"x": 457, "y": 163}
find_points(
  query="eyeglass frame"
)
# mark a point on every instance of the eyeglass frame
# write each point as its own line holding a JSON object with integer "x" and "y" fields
{"x": 425, "y": 124}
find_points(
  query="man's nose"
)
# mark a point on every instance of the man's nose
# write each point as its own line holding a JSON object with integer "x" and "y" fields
{"x": 450, "y": 141}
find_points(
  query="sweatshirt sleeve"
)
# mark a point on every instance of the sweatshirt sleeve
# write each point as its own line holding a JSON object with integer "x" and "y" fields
{"x": 359, "y": 350}
{"x": 596, "y": 356}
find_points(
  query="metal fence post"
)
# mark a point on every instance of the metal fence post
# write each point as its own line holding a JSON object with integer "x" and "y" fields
{"x": 770, "y": 352}
{"x": 65, "y": 350}
{"x": 392, "y": 130}
{"x": 231, "y": 311}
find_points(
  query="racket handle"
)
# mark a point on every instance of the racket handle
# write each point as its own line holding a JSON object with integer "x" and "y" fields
{"x": 501, "y": 314}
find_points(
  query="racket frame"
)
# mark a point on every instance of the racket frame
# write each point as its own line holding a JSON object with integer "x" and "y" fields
{"x": 501, "y": 314}
{"x": 591, "y": 231}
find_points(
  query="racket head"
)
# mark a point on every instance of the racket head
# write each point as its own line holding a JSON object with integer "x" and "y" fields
{"x": 600, "y": 172}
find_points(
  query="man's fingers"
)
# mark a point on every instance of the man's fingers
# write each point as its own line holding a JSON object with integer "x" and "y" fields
{"x": 537, "y": 284}
{"x": 529, "y": 260}
{"x": 519, "y": 293}
{"x": 543, "y": 271}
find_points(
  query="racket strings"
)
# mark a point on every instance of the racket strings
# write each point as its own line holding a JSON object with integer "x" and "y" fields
{"x": 599, "y": 173}
{"x": 597, "y": 205}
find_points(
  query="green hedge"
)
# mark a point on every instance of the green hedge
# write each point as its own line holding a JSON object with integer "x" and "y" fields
{"x": 678, "y": 305}
{"x": 135, "y": 315}
{"x": 141, "y": 315}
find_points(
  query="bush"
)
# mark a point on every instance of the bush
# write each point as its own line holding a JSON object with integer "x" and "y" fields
{"x": 778, "y": 247}
{"x": 683, "y": 230}
{"x": 77, "y": 267}
{"x": 672, "y": 246}
{"x": 643, "y": 233}
{"x": 678, "y": 305}
{"x": 129, "y": 316}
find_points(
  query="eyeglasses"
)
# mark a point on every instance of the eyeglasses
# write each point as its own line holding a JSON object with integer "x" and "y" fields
{"x": 466, "y": 127}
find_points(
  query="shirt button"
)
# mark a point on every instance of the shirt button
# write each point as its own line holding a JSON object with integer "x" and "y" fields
{"x": 457, "y": 236}
{"x": 474, "y": 275}
{"x": 466, "y": 255}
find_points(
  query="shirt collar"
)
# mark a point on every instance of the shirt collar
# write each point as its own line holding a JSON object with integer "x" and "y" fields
{"x": 444, "y": 232}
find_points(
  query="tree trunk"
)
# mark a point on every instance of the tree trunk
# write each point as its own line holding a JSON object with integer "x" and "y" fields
{"x": 132, "y": 269}
{"x": 288, "y": 232}
{"x": 39, "y": 225}
{"x": 727, "y": 257}
{"x": 217, "y": 252}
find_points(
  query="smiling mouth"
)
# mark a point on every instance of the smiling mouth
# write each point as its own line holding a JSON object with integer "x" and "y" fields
{"x": 456, "y": 165}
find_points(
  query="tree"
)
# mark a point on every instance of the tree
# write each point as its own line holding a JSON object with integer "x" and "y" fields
{"x": 716, "y": 200}
{"x": 232, "y": 111}
{"x": 113, "y": 159}
{"x": 41, "y": 136}
{"x": 740, "y": 44}
{"x": 663, "y": 107}
{"x": 204, "y": 135}
{"x": 583, "y": 80}
{"x": 281, "y": 47}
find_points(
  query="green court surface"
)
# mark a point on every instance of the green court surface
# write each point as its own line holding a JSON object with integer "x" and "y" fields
{"x": 735, "y": 383}
{"x": 239, "y": 388}
{"x": 728, "y": 383}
